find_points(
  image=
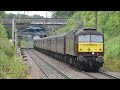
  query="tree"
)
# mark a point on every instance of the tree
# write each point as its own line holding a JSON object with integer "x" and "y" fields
{"x": 37, "y": 16}
{"x": 22, "y": 16}
{"x": 62, "y": 14}
{"x": 9, "y": 32}
{"x": 2, "y": 14}
{"x": 10, "y": 15}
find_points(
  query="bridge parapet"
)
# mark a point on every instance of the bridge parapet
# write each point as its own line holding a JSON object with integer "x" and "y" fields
{"x": 37, "y": 21}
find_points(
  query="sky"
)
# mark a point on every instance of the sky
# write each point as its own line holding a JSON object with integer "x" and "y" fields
{"x": 41, "y": 13}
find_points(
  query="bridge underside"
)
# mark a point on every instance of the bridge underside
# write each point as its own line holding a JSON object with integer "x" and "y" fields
{"x": 45, "y": 29}
{"x": 48, "y": 27}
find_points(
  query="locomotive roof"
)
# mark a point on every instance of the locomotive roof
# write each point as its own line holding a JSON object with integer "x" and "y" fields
{"x": 59, "y": 35}
{"x": 86, "y": 31}
{"x": 83, "y": 31}
{"x": 53, "y": 36}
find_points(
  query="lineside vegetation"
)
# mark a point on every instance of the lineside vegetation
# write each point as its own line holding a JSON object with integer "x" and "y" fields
{"x": 11, "y": 65}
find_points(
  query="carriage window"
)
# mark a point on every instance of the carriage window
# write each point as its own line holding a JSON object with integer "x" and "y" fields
{"x": 96, "y": 38}
{"x": 84, "y": 38}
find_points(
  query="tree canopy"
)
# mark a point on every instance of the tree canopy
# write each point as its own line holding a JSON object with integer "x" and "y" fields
{"x": 62, "y": 14}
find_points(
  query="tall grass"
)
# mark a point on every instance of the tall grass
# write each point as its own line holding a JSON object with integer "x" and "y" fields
{"x": 13, "y": 68}
{"x": 11, "y": 65}
{"x": 111, "y": 64}
{"x": 112, "y": 54}
{"x": 112, "y": 47}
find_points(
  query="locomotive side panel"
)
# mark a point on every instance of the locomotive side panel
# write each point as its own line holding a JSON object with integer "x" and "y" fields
{"x": 53, "y": 44}
{"x": 42, "y": 44}
{"x": 45, "y": 44}
{"x": 39, "y": 43}
{"x": 67, "y": 45}
{"x": 60, "y": 45}
{"x": 71, "y": 52}
{"x": 48, "y": 44}
{"x": 70, "y": 44}
{"x": 76, "y": 45}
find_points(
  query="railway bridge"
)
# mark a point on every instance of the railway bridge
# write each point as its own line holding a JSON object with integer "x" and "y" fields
{"x": 45, "y": 24}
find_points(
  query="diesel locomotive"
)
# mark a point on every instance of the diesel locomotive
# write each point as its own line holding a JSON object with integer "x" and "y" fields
{"x": 82, "y": 48}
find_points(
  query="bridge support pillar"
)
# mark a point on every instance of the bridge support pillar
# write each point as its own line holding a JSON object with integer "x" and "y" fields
{"x": 13, "y": 31}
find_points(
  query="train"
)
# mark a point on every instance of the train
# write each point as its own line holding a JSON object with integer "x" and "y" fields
{"x": 82, "y": 48}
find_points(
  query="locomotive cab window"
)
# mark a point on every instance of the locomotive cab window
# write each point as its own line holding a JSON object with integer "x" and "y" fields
{"x": 96, "y": 38}
{"x": 90, "y": 38}
{"x": 84, "y": 38}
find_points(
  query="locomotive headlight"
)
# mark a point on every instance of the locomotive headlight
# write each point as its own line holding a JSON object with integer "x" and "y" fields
{"x": 93, "y": 53}
{"x": 86, "y": 48}
{"x": 95, "y": 48}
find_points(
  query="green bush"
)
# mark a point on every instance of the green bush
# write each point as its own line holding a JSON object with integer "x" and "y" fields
{"x": 7, "y": 47}
{"x": 112, "y": 48}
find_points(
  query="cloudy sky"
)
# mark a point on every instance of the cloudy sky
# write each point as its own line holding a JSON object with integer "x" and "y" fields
{"x": 41, "y": 13}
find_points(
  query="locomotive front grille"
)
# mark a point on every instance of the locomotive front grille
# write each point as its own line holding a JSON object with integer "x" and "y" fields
{"x": 90, "y": 47}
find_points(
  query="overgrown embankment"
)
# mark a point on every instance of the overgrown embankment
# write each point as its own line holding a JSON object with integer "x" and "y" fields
{"x": 109, "y": 22}
{"x": 11, "y": 65}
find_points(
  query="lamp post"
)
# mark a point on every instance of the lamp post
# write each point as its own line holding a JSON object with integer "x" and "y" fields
{"x": 46, "y": 16}
{"x": 13, "y": 30}
{"x": 46, "y": 20}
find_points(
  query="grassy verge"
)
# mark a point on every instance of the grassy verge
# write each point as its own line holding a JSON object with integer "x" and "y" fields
{"x": 112, "y": 64}
{"x": 13, "y": 68}
{"x": 112, "y": 54}
{"x": 11, "y": 65}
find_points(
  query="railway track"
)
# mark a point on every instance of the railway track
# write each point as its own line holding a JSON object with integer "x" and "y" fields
{"x": 97, "y": 75}
{"x": 38, "y": 65}
{"x": 109, "y": 75}
{"x": 100, "y": 75}
{"x": 92, "y": 76}
{"x": 50, "y": 71}
{"x": 53, "y": 72}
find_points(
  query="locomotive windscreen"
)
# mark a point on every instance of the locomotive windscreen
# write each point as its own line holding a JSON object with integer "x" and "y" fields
{"x": 84, "y": 38}
{"x": 96, "y": 38}
{"x": 90, "y": 38}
